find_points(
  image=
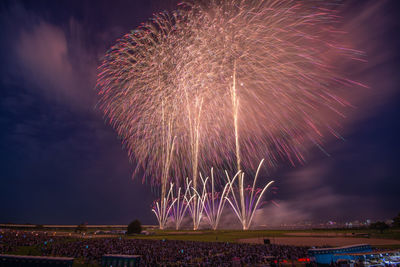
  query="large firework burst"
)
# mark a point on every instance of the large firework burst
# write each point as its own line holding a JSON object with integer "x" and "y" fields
{"x": 225, "y": 83}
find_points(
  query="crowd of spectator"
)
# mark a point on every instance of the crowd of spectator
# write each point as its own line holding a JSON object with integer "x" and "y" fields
{"x": 153, "y": 252}
{"x": 156, "y": 252}
{"x": 10, "y": 240}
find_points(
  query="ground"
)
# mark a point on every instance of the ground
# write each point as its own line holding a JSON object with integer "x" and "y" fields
{"x": 326, "y": 237}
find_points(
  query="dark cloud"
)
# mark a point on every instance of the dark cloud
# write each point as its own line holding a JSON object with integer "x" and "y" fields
{"x": 60, "y": 162}
{"x": 59, "y": 67}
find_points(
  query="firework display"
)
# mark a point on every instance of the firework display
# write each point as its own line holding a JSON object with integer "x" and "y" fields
{"x": 245, "y": 206}
{"x": 163, "y": 207}
{"x": 215, "y": 201}
{"x": 224, "y": 83}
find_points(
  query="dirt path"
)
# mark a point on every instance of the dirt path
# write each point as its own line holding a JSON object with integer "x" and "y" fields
{"x": 321, "y": 241}
{"x": 333, "y": 234}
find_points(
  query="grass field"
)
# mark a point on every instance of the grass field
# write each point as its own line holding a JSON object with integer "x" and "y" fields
{"x": 208, "y": 235}
{"x": 236, "y": 235}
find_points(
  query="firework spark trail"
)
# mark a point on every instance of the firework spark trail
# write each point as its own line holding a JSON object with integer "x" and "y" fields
{"x": 211, "y": 203}
{"x": 146, "y": 119}
{"x": 168, "y": 142}
{"x": 163, "y": 208}
{"x": 240, "y": 20}
{"x": 276, "y": 58}
{"x": 181, "y": 205}
{"x": 194, "y": 123}
{"x": 171, "y": 88}
{"x": 138, "y": 82}
{"x": 284, "y": 81}
{"x": 245, "y": 215}
{"x": 197, "y": 205}
{"x": 214, "y": 203}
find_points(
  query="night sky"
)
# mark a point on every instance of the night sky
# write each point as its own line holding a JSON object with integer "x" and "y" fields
{"x": 61, "y": 163}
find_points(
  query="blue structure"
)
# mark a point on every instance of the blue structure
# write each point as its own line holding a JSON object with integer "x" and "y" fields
{"x": 329, "y": 255}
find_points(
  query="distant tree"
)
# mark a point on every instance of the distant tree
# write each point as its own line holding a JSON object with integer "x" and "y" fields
{"x": 81, "y": 228}
{"x": 39, "y": 226}
{"x": 134, "y": 227}
{"x": 396, "y": 221}
{"x": 381, "y": 226}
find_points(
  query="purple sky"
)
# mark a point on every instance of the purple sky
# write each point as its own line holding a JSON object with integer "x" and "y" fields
{"x": 61, "y": 163}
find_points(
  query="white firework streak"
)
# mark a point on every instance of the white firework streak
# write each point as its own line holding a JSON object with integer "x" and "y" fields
{"x": 181, "y": 205}
{"x": 245, "y": 215}
{"x": 191, "y": 87}
{"x": 196, "y": 208}
{"x": 215, "y": 203}
{"x": 163, "y": 208}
